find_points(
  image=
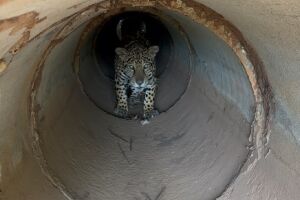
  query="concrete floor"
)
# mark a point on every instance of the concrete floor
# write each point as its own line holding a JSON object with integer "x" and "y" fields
{"x": 229, "y": 121}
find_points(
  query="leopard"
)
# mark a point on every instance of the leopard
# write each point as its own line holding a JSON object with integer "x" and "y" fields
{"x": 135, "y": 71}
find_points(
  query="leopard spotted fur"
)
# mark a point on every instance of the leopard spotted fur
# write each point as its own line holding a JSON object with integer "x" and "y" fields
{"x": 135, "y": 70}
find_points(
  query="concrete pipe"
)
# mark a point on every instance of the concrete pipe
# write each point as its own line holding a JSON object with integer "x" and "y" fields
{"x": 228, "y": 126}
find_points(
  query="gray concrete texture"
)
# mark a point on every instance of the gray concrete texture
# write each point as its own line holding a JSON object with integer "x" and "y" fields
{"x": 229, "y": 101}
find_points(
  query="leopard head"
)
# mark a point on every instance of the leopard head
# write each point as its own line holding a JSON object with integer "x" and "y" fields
{"x": 138, "y": 64}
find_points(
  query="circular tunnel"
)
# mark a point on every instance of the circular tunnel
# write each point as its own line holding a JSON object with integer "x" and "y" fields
{"x": 200, "y": 141}
{"x": 211, "y": 109}
{"x": 173, "y": 62}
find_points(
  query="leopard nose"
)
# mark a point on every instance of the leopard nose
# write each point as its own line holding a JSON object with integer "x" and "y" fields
{"x": 139, "y": 82}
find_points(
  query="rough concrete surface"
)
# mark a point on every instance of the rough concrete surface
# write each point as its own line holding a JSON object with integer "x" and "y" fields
{"x": 276, "y": 39}
{"x": 221, "y": 136}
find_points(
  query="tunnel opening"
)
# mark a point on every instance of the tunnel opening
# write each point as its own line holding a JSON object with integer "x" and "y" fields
{"x": 173, "y": 61}
{"x": 193, "y": 150}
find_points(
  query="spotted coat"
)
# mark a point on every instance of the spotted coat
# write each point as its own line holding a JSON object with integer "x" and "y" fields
{"x": 135, "y": 70}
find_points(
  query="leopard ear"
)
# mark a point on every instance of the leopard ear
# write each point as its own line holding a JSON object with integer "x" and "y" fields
{"x": 121, "y": 52}
{"x": 153, "y": 50}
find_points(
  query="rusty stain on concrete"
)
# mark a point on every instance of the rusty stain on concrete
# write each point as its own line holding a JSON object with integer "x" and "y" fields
{"x": 2, "y": 2}
{"x": 3, "y": 65}
{"x": 24, "y": 21}
{"x": 27, "y": 20}
{"x": 20, "y": 43}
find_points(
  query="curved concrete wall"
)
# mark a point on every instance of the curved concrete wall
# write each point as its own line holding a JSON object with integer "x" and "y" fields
{"x": 227, "y": 137}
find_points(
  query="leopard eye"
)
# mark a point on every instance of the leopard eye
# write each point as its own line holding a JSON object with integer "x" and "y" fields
{"x": 130, "y": 66}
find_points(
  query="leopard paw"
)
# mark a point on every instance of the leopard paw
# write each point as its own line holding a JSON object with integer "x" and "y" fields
{"x": 150, "y": 114}
{"x": 121, "y": 112}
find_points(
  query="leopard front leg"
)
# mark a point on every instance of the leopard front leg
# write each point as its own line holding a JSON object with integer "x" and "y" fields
{"x": 149, "y": 111}
{"x": 121, "y": 109}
